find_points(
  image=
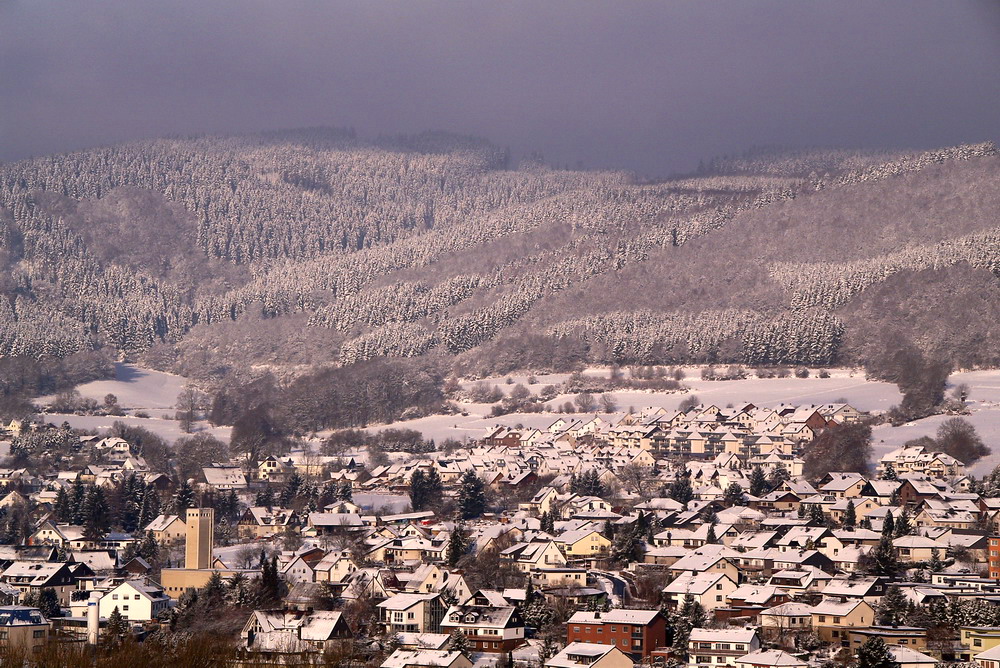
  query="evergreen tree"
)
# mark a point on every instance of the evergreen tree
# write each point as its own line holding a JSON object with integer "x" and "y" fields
{"x": 589, "y": 484}
{"x": 151, "y": 507}
{"x": 471, "y": 496}
{"x": 889, "y": 473}
{"x": 149, "y": 549}
{"x": 97, "y": 516}
{"x": 680, "y": 489}
{"x": 850, "y": 515}
{"x": 733, "y": 495}
{"x": 816, "y": 516}
{"x": 694, "y": 611}
{"x": 46, "y": 600}
{"x": 874, "y": 654}
{"x": 883, "y": 557}
{"x": 346, "y": 491}
{"x": 779, "y": 475}
{"x": 624, "y": 547}
{"x": 549, "y": 522}
{"x": 711, "y": 538}
{"x": 265, "y": 498}
{"x": 270, "y": 585}
{"x": 892, "y": 608}
{"x": 418, "y": 491}
{"x": 117, "y": 627}
{"x": 935, "y": 565}
{"x": 682, "y": 633}
{"x": 457, "y": 642}
{"x": 63, "y": 509}
{"x": 183, "y": 499}
{"x": 291, "y": 490}
{"x": 78, "y": 495}
{"x": 902, "y": 525}
{"x": 214, "y": 591}
{"x": 641, "y": 523}
{"x": 434, "y": 487}
{"x": 803, "y": 510}
{"x": 888, "y": 526}
{"x": 458, "y": 545}
{"x": 758, "y": 482}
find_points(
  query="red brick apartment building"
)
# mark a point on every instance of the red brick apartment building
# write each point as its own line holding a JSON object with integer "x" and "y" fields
{"x": 995, "y": 557}
{"x": 635, "y": 632}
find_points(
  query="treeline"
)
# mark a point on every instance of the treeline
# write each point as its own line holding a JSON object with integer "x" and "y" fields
{"x": 376, "y": 391}
{"x": 388, "y": 440}
{"x": 750, "y": 337}
{"x": 22, "y": 378}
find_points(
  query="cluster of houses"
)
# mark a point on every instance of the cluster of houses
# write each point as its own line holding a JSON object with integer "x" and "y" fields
{"x": 767, "y": 570}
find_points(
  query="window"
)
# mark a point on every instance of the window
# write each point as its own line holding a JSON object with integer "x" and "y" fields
{"x": 38, "y": 634}
{"x": 624, "y": 642}
{"x": 124, "y": 607}
{"x": 576, "y": 629}
{"x": 614, "y": 629}
{"x": 822, "y": 618}
{"x": 978, "y": 642}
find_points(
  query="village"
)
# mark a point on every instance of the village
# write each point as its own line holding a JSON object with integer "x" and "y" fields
{"x": 693, "y": 537}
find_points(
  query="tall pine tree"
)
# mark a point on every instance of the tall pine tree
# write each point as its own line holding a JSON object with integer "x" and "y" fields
{"x": 471, "y": 496}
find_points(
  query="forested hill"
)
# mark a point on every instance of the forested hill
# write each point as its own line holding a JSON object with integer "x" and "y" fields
{"x": 292, "y": 249}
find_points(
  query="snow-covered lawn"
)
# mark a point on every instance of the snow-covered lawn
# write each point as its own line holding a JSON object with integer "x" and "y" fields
{"x": 136, "y": 389}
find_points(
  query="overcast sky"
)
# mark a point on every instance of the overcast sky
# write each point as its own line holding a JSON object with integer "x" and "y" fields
{"x": 645, "y": 85}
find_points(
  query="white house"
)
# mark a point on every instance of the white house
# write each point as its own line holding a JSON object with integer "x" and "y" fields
{"x": 135, "y": 600}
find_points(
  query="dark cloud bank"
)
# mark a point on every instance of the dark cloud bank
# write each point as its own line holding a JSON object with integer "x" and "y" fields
{"x": 650, "y": 86}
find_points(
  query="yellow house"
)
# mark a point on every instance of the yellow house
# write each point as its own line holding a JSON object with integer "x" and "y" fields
{"x": 167, "y": 529}
{"x": 833, "y": 619}
{"x": 979, "y": 638}
{"x": 916, "y": 548}
{"x": 583, "y": 543}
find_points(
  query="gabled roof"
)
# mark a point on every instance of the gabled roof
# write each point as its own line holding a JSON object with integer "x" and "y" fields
{"x": 771, "y": 657}
{"x": 615, "y": 616}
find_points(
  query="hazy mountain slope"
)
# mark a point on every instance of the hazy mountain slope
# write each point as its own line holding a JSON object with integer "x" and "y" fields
{"x": 282, "y": 250}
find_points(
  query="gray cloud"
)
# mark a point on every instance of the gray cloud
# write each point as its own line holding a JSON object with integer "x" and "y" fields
{"x": 651, "y": 86}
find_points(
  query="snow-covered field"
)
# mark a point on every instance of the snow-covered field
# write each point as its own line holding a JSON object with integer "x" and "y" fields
{"x": 138, "y": 391}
